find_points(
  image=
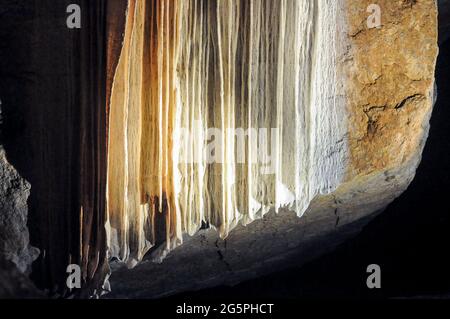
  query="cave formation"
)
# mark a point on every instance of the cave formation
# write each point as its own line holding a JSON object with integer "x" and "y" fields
{"x": 113, "y": 175}
{"x": 193, "y": 66}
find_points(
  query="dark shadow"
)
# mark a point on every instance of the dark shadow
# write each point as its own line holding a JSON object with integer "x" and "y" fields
{"x": 36, "y": 119}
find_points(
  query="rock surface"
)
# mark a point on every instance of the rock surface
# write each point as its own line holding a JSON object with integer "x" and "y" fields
{"x": 16, "y": 254}
{"x": 14, "y": 236}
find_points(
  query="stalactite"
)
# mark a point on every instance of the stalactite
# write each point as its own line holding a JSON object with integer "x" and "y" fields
{"x": 220, "y": 110}
{"x": 141, "y": 124}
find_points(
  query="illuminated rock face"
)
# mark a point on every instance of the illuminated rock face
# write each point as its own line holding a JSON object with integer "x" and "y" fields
{"x": 352, "y": 106}
{"x": 221, "y": 111}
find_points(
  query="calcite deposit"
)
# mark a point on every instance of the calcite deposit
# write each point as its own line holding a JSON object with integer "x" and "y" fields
{"x": 220, "y": 111}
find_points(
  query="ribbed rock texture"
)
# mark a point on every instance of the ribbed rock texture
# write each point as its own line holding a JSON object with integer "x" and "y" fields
{"x": 16, "y": 253}
{"x": 14, "y": 284}
{"x": 390, "y": 79}
{"x": 220, "y": 111}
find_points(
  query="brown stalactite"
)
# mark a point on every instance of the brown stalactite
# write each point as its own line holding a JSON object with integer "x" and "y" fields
{"x": 93, "y": 145}
{"x": 141, "y": 122}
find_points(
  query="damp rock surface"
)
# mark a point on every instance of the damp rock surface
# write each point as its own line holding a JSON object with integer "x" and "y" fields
{"x": 14, "y": 236}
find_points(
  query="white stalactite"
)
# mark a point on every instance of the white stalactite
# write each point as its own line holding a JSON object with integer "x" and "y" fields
{"x": 196, "y": 74}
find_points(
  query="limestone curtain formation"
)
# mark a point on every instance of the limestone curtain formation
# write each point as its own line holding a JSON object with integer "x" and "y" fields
{"x": 220, "y": 110}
